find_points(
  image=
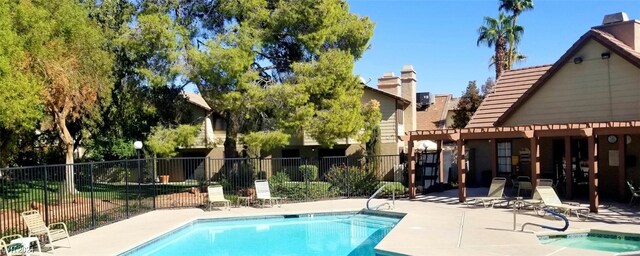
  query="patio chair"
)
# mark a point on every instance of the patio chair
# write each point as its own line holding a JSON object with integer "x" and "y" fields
{"x": 11, "y": 249}
{"x": 216, "y": 195}
{"x": 496, "y": 192}
{"x": 550, "y": 200}
{"x": 37, "y": 227}
{"x": 635, "y": 192}
{"x": 545, "y": 182}
{"x": 263, "y": 193}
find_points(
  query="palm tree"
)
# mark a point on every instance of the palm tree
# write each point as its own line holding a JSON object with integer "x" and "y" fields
{"x": 495, "y": 33}
{"x": 516, "y": 7}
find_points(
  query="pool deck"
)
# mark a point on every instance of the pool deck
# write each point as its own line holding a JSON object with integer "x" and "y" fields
{"x": 434, "y": 225}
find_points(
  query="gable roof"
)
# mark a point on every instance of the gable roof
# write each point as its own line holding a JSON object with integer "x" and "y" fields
{"x": 508, "y": 89}
{"x": 405, "y": 102}
{"x": 607, "y": 40}
{"x": 196, "y": 99}
{"x": 434, "y": 116}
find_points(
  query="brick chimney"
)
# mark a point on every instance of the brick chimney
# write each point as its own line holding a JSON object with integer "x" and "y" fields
{"x": 408, "y": 78}
{"x": 390, "y": 83}
{"x": 625, "y": 30}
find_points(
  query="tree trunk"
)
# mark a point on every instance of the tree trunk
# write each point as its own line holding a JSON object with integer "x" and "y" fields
{"x": 500, "y": 56}
{"x": 230, "y": 142}
{"x": 67, "y": 141}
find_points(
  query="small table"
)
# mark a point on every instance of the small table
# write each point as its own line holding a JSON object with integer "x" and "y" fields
{"x": 26, "y": 244}
{"x": 246, "y": 199}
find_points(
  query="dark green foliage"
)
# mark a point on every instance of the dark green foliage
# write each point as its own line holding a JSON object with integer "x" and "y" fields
{"x": 391, "y": 187}
{"x": 352, "y": 180}
{"x": 467, "y": 106}
{"x": 309, "y": 172}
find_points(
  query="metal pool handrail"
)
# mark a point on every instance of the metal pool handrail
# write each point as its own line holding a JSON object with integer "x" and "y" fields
{"x": 385, "y": 203}
{"x": 566, "y": 222}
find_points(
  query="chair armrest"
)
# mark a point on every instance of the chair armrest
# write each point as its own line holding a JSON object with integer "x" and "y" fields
{"x": 10, "y": 237}
{"x": 573, "y": 203}
{"x": 64, "y": 226}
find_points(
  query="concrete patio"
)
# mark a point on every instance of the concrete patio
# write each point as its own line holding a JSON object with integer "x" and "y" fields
{"x": 434, "y": 225}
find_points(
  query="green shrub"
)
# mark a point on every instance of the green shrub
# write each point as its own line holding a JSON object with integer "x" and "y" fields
{"x": 277, "y": 183}
{"x": 296, "y": 191}
{"x": 392, "y": 187}
{"x": 309, "y": 172}
{"x": 352, "y": 180}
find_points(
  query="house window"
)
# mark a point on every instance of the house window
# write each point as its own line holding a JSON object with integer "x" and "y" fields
{"x": 290, "y": 153}
{"x": 504, "y": 158}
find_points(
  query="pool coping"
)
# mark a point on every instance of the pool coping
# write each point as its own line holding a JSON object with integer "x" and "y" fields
{"x": 192, "y": 221}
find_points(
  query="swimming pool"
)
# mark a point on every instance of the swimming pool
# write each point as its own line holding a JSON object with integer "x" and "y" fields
{"x": 346, "y": 233}
{"x": 601, "y": 241}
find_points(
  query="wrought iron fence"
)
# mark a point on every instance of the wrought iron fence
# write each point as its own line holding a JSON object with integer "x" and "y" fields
{"x": 89, "y": 195}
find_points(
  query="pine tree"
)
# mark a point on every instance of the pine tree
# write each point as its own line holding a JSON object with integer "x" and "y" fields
{"x": 467, "y": 105}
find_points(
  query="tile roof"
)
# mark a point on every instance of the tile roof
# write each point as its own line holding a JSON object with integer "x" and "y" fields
{"x": 609, "y": 41}
{"x": 406, "y": 102}
{"x": 453, "y": 104}
{"x": 434, "y": 116}
{"x": 196, "y": 99}
{"x": 508, "y": 89}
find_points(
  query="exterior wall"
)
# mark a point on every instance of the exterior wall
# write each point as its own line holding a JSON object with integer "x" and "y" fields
{"x": 608, "y": 175}
{"x": 408, "y": 78}
{"x": 479, "y": 160}
{"x": 449, "y": 122}
{"x": 388, "y": 111}
{"x": 595, "y": 90}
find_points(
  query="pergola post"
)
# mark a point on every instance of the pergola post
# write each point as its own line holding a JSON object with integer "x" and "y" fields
{"x": 535, "y": 161}
{"x": 593, "y": 173}
{"x": 494, "y": 158}
{"x": 622, "y": 172}
{"x": 568, "y": 166}
{"x": 462, "y": 183}
{"x": 440, "y": 161}
{"x": 412, "y": 170}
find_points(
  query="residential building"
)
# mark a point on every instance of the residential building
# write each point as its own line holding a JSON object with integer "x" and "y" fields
{"x": 576, "y": 121}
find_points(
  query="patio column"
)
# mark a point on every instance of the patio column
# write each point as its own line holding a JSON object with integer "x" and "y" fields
{"x": 462, "y": 172}
{"x": 622, "y": 172}
{"x": 568, "y": 166}
{"x": 593, "y": 173}
{"x": 440, "y": 161}
{"x": 535, "y": 161}
{"x": 412, "y": 170}
{"x": 494, "y": 158}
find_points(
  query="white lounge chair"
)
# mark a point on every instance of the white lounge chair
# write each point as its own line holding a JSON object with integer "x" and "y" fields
{"x": 496, "y": 192}
{"x": 215, "y": 194}
{"x": 37, "y": 227}
{"x": 263, "y": 193}
{"x": 550, "y": 200}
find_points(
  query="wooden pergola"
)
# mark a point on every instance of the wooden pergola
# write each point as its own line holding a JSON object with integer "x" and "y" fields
{"x": 532, "y": 132}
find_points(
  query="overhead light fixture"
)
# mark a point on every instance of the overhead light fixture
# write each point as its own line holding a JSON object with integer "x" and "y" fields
{"x": 577, "y": 60}
{"x": 605, "y": 55}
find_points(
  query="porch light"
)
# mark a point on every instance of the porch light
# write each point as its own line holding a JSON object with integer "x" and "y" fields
{"x": 137, "y": 144}
{"x": 577, "y": 60}
{"x": 605, "y": 55}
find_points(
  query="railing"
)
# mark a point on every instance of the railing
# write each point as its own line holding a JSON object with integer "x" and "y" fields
{"x": 90, "y": 195}
{"x": 393, "y": 198}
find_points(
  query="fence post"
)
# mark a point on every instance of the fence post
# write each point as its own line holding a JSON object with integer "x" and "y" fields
{"x": 126, "y": 189}
{"x": 46, "y": 195}
{"x": 93, "y": 204}
{"x": 139, "y": 183}
{"x": 154, "y": 188}
{"x": 346, "y": 173}
{"x": 305, "y": 176}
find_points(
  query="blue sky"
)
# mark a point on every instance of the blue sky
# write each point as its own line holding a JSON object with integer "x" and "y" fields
{"x": 438, "y": 37}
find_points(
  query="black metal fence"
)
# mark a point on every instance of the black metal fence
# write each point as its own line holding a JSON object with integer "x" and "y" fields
{"x": 89, "y": 195}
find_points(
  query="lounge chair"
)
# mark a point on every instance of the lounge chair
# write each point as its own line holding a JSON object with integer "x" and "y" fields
{"x": 216, "y": 195}
{"x": 545, "y": 182}
{"x": 37, "y": 227}
{"x": 11, "y": 249}
{"x": 550, "y": 200}
{"x": 263, "y": 193}
{"x": 635, "y": 192}
{"x": 496, "y": 192}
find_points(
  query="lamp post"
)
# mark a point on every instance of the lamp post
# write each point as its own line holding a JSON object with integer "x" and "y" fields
{"x": 138, "y": 146}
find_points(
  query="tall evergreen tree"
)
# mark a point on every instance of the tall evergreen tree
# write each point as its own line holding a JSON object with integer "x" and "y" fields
{"x": 467, "y": 105}
{"x": 487, "y": 87}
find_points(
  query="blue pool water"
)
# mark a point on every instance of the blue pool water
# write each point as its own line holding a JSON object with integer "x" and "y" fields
{"x": 596, "y": 241}
{"x": 308, "y": 234}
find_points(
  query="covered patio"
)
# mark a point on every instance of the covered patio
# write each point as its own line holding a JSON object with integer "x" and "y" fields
{"x": 594, "y": 133}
